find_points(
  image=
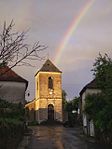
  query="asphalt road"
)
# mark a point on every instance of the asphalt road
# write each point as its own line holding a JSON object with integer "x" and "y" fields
{"x": 59, "y": 137}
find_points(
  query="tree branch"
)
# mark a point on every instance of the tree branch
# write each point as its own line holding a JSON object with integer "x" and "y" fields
{"x": 14, "y": 50}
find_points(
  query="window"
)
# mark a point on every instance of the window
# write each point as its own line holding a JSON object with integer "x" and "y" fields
{"x": 50, "y": 83}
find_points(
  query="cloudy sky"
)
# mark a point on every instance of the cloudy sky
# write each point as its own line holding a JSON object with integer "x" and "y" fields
{"x": 48, "y": 21}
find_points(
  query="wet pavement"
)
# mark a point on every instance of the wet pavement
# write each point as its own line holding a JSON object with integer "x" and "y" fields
{"x": 59, "y": 137}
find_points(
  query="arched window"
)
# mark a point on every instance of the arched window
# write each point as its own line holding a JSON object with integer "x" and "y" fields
{"x": 50, "y": 83}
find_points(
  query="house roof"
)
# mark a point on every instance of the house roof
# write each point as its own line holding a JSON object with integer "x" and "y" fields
{"x": 91, "y": 85}
{"x": 48, "y": 66}
{"x": 7, "y": 74}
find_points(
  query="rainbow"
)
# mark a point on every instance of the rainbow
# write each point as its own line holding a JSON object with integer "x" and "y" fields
{"x": 71, "y": 29}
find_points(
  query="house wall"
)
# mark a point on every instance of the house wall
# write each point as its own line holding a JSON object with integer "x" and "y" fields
{"x": 13, "y": 91}
{"x": 88, "y": 126}
{"x": 88, "y": 92}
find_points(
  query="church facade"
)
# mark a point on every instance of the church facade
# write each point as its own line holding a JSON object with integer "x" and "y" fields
{"x": 47, "y": 104}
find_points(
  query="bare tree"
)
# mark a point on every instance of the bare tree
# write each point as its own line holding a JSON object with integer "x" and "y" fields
{"x": 13, "y": 49}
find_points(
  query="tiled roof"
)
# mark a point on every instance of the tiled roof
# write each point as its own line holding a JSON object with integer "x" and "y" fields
{"x": 7, "y": 74}
{"x": 48, "y": 66}
{"x": 91, "y": 85}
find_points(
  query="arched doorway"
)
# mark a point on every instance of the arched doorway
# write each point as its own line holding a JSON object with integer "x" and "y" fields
{"x": 50, "y": 112}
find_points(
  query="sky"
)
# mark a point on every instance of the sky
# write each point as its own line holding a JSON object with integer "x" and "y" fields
{"x": 50, "y": 21}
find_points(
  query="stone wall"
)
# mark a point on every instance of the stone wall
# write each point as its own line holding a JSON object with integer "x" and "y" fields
{"x": 42, "y": 90}
{"x": 42, "y": 110}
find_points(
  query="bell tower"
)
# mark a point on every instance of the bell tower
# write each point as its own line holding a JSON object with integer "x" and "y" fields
{"x": 48, "y": 93}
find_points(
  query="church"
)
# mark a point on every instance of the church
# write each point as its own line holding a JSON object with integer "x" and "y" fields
{"x": 47, "y": 104}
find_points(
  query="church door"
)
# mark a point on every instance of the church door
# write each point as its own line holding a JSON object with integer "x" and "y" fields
{"x": 50, "y": 112}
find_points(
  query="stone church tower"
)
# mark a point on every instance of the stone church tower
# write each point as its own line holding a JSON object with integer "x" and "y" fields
{"x": 48, "y": 93}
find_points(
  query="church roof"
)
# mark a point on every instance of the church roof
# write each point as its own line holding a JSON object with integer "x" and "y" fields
{"x": 48, "y": 66}
{"x": 7, "y": 74}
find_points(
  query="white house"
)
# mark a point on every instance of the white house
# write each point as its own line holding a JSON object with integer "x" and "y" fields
{"x": 89, "y": 89}
{"x": 12, "y": 86}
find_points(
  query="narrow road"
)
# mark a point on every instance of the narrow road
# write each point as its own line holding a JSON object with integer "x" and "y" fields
{"x": 59, "y": 137}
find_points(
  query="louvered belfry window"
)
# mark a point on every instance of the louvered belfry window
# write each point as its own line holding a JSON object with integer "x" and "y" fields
{"x": 50, "y": 83}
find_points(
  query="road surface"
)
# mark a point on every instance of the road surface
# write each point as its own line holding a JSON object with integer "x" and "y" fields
{"x": 59, "y": 137}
